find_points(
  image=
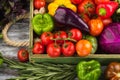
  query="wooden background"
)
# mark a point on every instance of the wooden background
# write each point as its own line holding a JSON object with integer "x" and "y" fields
{"x": 18, "y": 32}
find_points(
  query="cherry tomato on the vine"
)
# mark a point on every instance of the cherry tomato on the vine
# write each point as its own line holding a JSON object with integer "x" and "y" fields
{"x": 68, "y": 49}
{"x": 23, "y": 55}
{"x": 39, "y": 3}
{"x": 83, "y": 47}
{"x": 75, "y": 34}
{"x": 46, "y": 38}
{"x": 54, "y": 50}
{"x": 38, "y": 48}
{"x": 60, "y": 35}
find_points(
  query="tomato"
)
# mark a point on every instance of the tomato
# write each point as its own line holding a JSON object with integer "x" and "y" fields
{"x": 83, "y": 47}
{"x": 107, "y": 21}
{"x": 100, "y": 1}
{"x": 68, "y": 49}
{"x": 76, "y": 1}
{"x": 39, "y": 3}
{"x": 23, "y": 55}
{"x": 86, "y": 7}
{"x": 96, "y": 26}
{"x": 38, "y": 48}
{"x": 47, "y": 38}
{"x": 75, "y": 34}
{"x": 53, "y": 50}
{"x": 60, "y": 35}
{"x": 85, "y": 17}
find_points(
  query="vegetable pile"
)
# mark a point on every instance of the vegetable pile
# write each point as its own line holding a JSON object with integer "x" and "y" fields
{"x": 73, "y": 27}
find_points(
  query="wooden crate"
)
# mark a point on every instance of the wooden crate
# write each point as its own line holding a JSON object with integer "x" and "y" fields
{"x": 104, "y": 59}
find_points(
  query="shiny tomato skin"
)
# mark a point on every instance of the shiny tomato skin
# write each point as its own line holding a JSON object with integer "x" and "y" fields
{"x": 68, "y": 49}
{"x": 39, "y": 3}
{"x": 38, "y": 48}
{"x": 96, "y": 26}
{"x": 86, "y": 7}
{"x": 76, "y": 1}
{"x": 60, "y": 35}
{"x": 83, "y": 48}
{"x": 75, "y": 34}
{"x": 23, "y": 55}
{"x": 53, "y": 50}
{"x": 47, "y": 38}
{"x": 106, "y": 21}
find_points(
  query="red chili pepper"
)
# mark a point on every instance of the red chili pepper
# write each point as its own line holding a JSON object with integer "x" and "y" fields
{"x": 106, "y": 9}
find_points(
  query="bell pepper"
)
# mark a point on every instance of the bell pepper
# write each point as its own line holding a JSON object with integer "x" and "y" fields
{"x": 106, "y": 9}
{"x": 88, "y": 70}
{"x": 56, "y": 3}
{"x": 42, "y": 23}
{"x": 93, "y": 41}
{"x": 112, "y": 71}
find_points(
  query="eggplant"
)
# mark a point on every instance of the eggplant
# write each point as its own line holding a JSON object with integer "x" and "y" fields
{"x": 66, "y": 16}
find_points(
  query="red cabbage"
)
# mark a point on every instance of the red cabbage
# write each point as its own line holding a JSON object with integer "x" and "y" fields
{"x": 109, "y": 40}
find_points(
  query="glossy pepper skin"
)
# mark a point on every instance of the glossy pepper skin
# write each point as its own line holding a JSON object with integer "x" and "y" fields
{"x": 56, "y": 3}
{"x": 106, "y": 9}
{"x": 68, "y": 17}
{"x": 88, "y": 70}
{"x": 112, "y": 71}
{"x": 42, "y": 23}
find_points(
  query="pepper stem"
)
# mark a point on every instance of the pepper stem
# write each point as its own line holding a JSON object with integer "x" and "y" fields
{"x": 102, "y": 11}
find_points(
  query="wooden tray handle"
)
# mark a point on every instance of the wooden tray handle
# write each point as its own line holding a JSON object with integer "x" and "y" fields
{"x": 6, "y": 28}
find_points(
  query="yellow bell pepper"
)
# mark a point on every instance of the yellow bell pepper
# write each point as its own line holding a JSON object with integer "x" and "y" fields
{"x": 56, "y": 3}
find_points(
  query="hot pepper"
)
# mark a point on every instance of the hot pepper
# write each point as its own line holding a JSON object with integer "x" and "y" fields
{"x": 54, "y": 5}
{"x": 88, "y": 70}
{"x": 106, "y": 9}
{"x": 42, "y": 23}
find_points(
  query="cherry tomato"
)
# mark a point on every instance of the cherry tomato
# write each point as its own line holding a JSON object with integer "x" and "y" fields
{"x": 96, "y": 26}
{"x": 76, "y": 1}
{"x": 38, "y": 48}
{"x": 100, "y": 1}
{"x": 60, "y": 35}
{"x": 86, "y": 7}
{"x": 75, "y": 34}
{"x": 54, "y": 50}
{"x": 23, "y": 55}
{"x": 107, "y": 21}
{"x": 46, "y": 38}
{"x": 83, "y": 47}
{"x": 39, "y": 3}
{"x": 68, "y": 49}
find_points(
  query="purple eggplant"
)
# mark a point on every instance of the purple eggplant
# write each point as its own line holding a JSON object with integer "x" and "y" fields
{"x": 66, "y": 16}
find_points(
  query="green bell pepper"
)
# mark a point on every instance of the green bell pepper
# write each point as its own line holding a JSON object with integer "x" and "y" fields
{"x": 93, "y": 41}
{"x": 42, "y": 23}
{"x": 88, "y": 70}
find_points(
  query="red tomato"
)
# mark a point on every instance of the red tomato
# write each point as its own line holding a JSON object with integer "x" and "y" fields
{"x": 96, "y": 26}
{"x": 53, "y": 50}
{"x": 100, "y": 1}
{"x": 76, "y": 1}
{"x": 107, "y": 21}
{"x": 46, "y": 38}
{"x": 83, "y": 48}
{"x": 68, "y": 49}
{"x": 75, "y": 34}
{"x": 23, "y": 55}
{"x": 38, "y": 48}
{"x": 86, "y": 7}
{"x": 60, "y": 35}
{"x": 39, "y": 3}
{"x": 85, "y": 17}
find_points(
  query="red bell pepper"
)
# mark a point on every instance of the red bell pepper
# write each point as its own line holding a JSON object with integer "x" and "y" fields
{"x": 106, "y": 9}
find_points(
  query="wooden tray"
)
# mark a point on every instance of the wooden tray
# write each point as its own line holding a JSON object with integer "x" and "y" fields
{"x": 104, "y": 59}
